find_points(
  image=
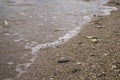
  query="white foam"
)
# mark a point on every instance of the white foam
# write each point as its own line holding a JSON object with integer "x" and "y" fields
{"x": 19, "y": 70}
{"x": 20, "y": 39}
{"x": 84, "y": 11}
{"x": 61, "y": 40}
{"x": 34, "y": 43}
{"x": 33, "y": 58}
{"x": 106, "y": 10}
{"x": 27, "y": 65}
{"x": 87, "y": 17}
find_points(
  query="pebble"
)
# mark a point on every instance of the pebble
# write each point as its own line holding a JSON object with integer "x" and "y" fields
{"x": 56, "y": 30}
{"x": 99, "y": 26}
{"x": 117, "y": 3}
{"x": 51, "y": 78}
{"x": 79, "y": 42}
{"x": 90, "y": 37}
{"x": 6, "y": 23}
{"x": 94, "y": 40}
{"x": 92, "y": 54}
{"x": 74, "y": 70}
{"x": 63, "y": 60}
{"x": 114, "y": 66}
{"x": 78, "y": 63}
{"x": 105, "y": 54}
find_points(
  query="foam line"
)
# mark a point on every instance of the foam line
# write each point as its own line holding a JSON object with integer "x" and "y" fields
{"x": 61, "y": 40}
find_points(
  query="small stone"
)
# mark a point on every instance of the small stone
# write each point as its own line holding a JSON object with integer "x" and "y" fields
{"x": 94, "y": 40}
{"x": 105, "y": 54}
{"x": 99, "y": 26}
{"x": 6, "y": 23}
{"x": 51, "y": 78}
{"x": 79, "y": 42}
{"x": 90, "y": 37}
{"x": 78, "y": 63}
{"x": 94, "y": 15}
{"x": 92, "y": 55}
{"x": 56, "y": 30}
{"x": 74, "y": 70}
{"x": 63, "y": 60}
{"x": 117, "y": 3}
{"x": 114, "y": 66}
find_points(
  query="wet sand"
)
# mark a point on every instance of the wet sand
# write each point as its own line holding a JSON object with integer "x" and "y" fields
{"x": 94, "y": 54}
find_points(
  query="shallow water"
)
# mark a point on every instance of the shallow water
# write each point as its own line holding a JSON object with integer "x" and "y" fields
{"x": 37, "y": 20}
{"x": 38, "y": 24}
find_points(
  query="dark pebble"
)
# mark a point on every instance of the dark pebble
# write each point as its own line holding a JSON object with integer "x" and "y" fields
{"x": 63, "y": 61}
{"x": 79, "y": 42}
{"x": 117, "y": 3}
{"x": 74, "y": 70}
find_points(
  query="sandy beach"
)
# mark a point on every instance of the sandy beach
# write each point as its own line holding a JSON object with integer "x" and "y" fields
{"x": 94, "y": 54}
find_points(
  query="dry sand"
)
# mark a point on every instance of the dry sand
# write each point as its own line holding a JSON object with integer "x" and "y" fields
{"x": 92, "y": 55}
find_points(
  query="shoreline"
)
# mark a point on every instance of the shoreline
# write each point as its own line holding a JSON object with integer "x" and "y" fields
{"x": 91, "y": 55}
